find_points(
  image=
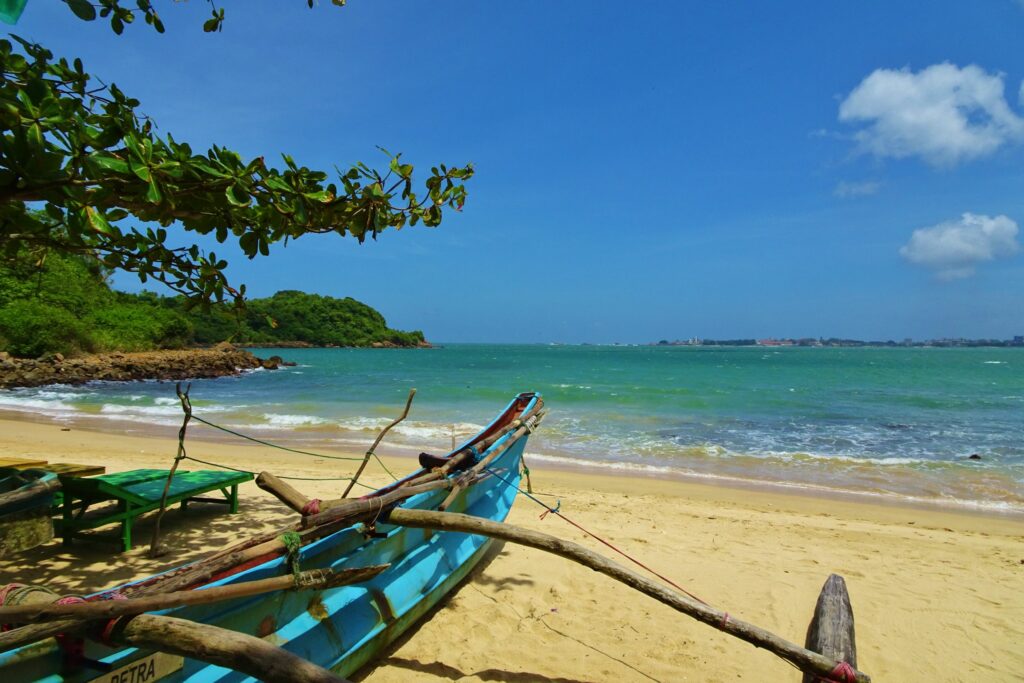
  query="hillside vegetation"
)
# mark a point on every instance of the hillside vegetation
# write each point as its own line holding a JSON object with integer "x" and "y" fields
{"x": 66, "y": 306}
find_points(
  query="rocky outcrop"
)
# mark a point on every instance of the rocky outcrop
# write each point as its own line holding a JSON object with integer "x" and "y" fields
{"x": 219, "y": 361}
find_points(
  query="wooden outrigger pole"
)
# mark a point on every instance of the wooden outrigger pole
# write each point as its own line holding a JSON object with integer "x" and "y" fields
{"x": 815, "y": 665}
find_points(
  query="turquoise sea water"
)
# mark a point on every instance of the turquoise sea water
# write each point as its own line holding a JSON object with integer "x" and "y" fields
{"x": 891, "y": 422}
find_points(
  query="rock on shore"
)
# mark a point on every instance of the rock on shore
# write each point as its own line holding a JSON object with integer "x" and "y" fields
{"x": 219, "y": 361}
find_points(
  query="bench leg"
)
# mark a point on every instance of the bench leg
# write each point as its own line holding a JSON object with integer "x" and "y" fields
{"x": 184, "y": 504}
{"x": 234, "y": 499}
{"x": 126, "y": 531}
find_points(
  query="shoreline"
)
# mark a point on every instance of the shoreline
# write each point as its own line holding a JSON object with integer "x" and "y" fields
{"x": 760, "y": 555}
{"x": 558, "y": 463}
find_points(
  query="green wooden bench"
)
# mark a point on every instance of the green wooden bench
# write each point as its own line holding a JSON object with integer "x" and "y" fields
{"x": 128, "y": 495}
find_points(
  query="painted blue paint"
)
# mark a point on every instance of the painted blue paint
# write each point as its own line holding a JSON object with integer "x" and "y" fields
{"x": 341, "y": 628}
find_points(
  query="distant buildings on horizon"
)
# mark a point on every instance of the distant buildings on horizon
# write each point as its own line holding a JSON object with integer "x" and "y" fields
{"x": 834, "y": 341}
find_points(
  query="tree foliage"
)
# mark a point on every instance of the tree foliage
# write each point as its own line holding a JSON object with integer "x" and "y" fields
{"x": 65, "y": 306}
{"x": 291, "y": 316}
{"x": 111, "y": 186}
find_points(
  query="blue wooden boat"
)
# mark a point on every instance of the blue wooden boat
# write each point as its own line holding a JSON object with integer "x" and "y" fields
{"x": 340, "y": 629}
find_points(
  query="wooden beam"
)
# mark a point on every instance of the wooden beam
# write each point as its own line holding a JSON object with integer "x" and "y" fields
{"x": 238, "y": 651}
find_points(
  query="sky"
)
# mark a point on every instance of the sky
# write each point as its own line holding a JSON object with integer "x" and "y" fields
{"x": 645, "y": 171}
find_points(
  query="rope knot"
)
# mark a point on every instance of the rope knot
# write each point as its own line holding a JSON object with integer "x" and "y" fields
{"x": 312, "y": 507}
{"x": 558, "y": 506}
{"x": 293, "y": 545}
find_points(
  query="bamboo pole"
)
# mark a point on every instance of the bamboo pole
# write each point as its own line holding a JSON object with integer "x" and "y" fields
{"x": 470, "y": 475}
{"x": 315, "y": 579}
{"x": 458, "y": 460}
{"x": 369, "y": 453}
{"x": 238, "y": 651}
{"x": 805, "y": 660}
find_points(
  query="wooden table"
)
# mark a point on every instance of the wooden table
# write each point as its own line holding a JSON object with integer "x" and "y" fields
{"x": 135, "y": 493}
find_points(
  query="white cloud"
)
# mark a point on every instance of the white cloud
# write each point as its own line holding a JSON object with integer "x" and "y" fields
{"x": 848, "y": 190}
{"x": 944, "y": 114}
{"x": 955, "y": 248}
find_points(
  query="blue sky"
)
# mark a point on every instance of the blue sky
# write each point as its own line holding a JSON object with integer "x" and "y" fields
{"x": 644, "y": 170}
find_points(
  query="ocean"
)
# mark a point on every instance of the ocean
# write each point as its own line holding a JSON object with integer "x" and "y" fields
{"x": 894, "y": 423}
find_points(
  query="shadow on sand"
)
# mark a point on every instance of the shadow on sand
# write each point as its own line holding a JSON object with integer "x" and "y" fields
{"x": 95, "y": 564}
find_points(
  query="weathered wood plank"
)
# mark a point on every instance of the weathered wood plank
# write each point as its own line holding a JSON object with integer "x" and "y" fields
{"x": 831, "y": 632}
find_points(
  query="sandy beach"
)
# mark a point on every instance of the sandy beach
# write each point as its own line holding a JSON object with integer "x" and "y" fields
{"x": 936, "y": 593}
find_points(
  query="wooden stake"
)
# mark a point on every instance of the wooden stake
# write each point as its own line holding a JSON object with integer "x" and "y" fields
{"x": 283, "y": 491}
{"x": 186, "y": 406}
{"x": 831, "y": 631}
{"x": 807, "y": 661}
{"x": 369, "y": 453}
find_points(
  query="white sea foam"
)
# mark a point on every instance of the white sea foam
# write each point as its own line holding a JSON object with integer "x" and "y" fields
{"x": 32, "y": 404}
{"x": 118, "y": 409}
{"x": 427, "y": 431}
{"x": 278, "y": 420}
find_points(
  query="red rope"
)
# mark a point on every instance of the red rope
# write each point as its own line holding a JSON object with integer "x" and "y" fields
{"x": 312, "y": 507}
{"x": 843, "y": 673}
{"x": 557, "y": 511}
{"x": 629, "y": 557}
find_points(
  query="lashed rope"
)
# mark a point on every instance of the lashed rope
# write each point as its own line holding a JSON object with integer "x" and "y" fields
{"x": 271, "y": 444}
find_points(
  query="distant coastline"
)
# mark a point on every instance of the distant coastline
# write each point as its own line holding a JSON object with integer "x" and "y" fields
{"x": 1016, "y": 341}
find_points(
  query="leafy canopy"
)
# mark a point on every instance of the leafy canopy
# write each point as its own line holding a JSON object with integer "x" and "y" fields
{"x": 65, "y": 306}
{"x": 80, "y": 150}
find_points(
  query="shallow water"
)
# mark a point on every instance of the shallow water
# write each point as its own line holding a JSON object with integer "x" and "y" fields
{"x": 891, "y": 422}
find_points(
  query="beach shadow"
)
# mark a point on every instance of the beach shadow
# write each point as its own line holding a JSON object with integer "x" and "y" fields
{"x": 95, "y": 564}
{"x": 387, "y": 658}
{"x": 442, "y": 670}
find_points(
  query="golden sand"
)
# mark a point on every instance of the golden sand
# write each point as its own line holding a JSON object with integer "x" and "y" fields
{"x": 938, "y": 595}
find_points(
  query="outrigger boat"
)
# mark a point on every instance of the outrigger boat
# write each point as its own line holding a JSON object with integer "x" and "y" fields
{"x": 341, "y": 628}
{"x": 320, "y": 599}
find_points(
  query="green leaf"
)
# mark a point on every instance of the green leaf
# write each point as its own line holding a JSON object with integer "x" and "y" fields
{"x": 237, "y": 195}
{"x": 83, "y": 9}
{"x": 97, "y": 221}
{"x": 140, "y": 170}
{"x": 153, "y": 192}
